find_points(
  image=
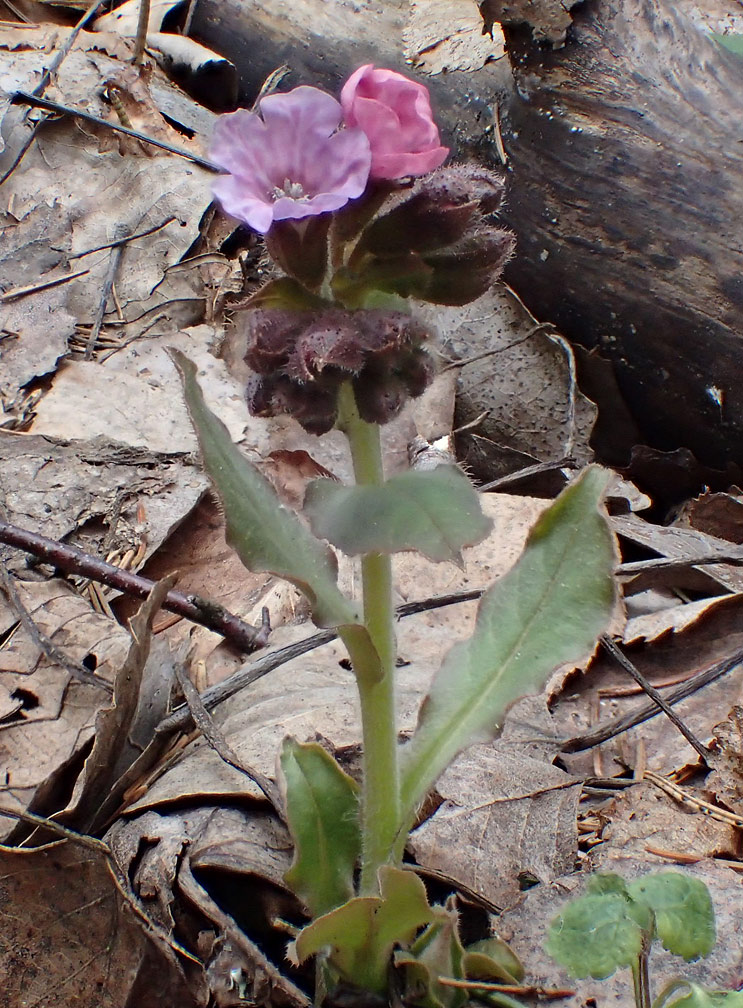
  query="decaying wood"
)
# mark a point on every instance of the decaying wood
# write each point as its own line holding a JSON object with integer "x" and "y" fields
{"x": 626, "y": 193}
{"x": 625, "y": 160}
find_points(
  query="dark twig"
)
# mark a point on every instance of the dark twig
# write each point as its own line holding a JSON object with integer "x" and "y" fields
{"x": 203, "y": 721}
{"x": 533, "y": 470}
{"x": 619, "y": 656}
{"x": 616, "y": 726}
{"x": 61, "y": 53}
{"x": 119, "y": 876}
{"x": 40, "y": 639}
{"x": 126, "y": 240}
{"x": 74, "y": 561}
{"x": 19, "y": 292}
{"x": 180, "y": 719}
{"x": 44, "y": 80}
{"x": 121, "y": 232}
{"x": 52, "y": 106}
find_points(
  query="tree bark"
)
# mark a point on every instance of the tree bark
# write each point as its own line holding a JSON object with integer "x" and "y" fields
{"x": 626, "y": 157}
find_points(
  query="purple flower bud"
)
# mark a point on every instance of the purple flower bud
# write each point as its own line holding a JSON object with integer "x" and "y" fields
{"x": 302, "y": 358}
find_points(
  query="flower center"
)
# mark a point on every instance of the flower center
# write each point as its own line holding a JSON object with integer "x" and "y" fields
{"x": 293, "y": 190}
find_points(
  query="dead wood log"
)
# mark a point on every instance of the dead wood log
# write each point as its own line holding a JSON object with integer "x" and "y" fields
{"x": 626, "y": 156}
{"x": 625, "y": 153}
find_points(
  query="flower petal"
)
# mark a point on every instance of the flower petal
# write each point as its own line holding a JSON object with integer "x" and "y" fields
{"x": 238, "y": 200}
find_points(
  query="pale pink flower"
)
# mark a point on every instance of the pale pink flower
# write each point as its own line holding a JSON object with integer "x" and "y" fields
{"x": 395, "y": 113}
{"x": 289, "y": 161}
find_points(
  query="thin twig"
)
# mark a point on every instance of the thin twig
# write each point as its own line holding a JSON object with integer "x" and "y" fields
{"x": 618, "y": 655}
{"x": 533, "y": 470}
{"x": 204, "y": 722}
{"x": 52, "y": 106}
{"x": 71, "y": 560}
{"x": 496, "y": 350}
{"x": 40, "y": 639}
{"x": 616, "y": 726}
{"x": 44, "y": 80}
{"x": 180, "y": 719}
{"x": 143, "y": 23}
{"x": 121, "y": 232}
{"x": 126, "y": 240}
{"x": 19, "y": 292}
{"x": 119, "y": 876}
{"x": 64, "y": 49}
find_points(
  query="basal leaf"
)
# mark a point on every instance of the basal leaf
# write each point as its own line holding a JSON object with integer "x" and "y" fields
{"x": 437, "y": 952}
{"x": 549, "y": 609}
{"x": 494, "y": 960}
{"x": 266, "y": 535}
{"x": 322, "y": 813}
{"x": 359, "y": 936}
{"x": 697, "y": 996}
{"x": 594, "y": 936}
{"x": 684, "y": 915}
{"x": 436, "y": 513}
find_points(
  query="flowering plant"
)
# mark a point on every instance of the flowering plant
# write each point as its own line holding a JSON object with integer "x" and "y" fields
{"x": 363, "y": 219}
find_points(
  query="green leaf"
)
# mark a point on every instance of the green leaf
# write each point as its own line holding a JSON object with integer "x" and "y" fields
{"x": 549, "y": 609}
{"x": 698, "y": 997}
{"x": 437, "y": 952}
{"x": 733, "y": 42}
{"x": 436, "y": 512}
{"x": 594, "y": 936}
{"x": 265, "y": 535}
{"x": 606, "y": 882}
{"x": 322, "y": 813}
{"x": 284, "y": 292}
{"x": 359, "y": 936}
{"x": 494, "y": 960}
{"x": 684, "y": 915}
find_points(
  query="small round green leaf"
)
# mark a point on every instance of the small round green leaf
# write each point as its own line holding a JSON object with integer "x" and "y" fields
{"x": 684, "y": 915}
{"x": 594, "y": 936}
{"x": 606, "y": 882}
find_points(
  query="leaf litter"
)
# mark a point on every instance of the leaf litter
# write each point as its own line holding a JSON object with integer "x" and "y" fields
{"x": 196, "y": 836}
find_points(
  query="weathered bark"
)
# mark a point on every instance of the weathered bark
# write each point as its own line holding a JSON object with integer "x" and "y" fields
{"x": 626, "y": 192}
{"x": 626, "y": 181}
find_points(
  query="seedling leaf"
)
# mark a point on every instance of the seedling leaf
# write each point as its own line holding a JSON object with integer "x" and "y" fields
{"x": 359, "y": 936}
{"x": 548, "y": 609}
{"x": 594, "y": 936}
{"x": 684, "y": 915}
{"x": 436, "y": 513}
{"x": 266, "y": 535}
{"x": 322, "y": 813}
{"x": 698, "y": 997}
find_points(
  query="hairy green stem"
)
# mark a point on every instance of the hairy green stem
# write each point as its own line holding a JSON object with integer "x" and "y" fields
{"x": 380, "y": 803}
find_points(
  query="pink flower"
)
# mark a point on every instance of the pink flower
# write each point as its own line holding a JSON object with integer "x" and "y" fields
{"x": 395, "y": 113}
{"x": 291, "y": 161}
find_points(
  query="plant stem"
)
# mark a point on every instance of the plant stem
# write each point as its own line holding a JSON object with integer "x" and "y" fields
{"x": 380, "y": 802}
{"x": 641, "y": 977}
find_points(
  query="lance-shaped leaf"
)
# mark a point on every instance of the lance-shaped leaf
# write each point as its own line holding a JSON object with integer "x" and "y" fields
{"x": 322, "y": 812}
{"x": 266, "y": 535}
{"x": 684, "y": 915}
{"x": 435, "y": 512}
{"x": 358, "y": 937}
{"x": 547, "y": 610}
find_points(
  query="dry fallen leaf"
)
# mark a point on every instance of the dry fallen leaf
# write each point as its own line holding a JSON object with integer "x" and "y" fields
{"x": 445, "y": 35}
